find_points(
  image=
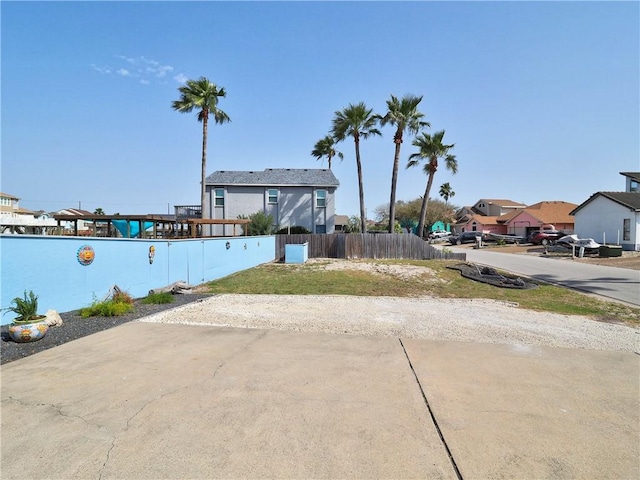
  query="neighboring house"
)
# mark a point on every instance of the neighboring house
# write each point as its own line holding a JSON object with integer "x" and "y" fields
{"x": 533, "y": 217}
{"x": 341, "y": 221}
{"x": 612, "y": 217}
{"x": 487, "y": 215}
{"x": 84, "y": 227}
{"x": 292, "y": 196}
{"x": 496, "y": 207}
{"x": 14, "y": 219}
{"x": 632, "y": 180}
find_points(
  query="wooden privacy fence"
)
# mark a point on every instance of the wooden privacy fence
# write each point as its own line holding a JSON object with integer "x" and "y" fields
{"x": 367, "y": 245}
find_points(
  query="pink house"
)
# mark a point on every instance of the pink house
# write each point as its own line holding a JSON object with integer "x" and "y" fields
{"x": 506, "y": 217}
{"x": 534, "y": 217}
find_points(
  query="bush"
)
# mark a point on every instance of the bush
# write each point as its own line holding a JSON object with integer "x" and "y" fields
{"x": 122, "y": 297}
{"x": 106, "y": 309}
{"x": 158, "y": 298}
{"x": 296, "y": 229}
{"x": 259, "y": 223}
{"x": 120, "y": 303}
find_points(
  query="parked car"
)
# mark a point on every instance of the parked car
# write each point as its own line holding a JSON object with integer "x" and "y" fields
{"x": 546, "y": 237}
{"x": 439, "y": 234}
{"x": 464, "y": 237}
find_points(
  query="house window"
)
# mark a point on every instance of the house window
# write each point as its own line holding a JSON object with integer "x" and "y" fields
{"x": 218, "y": 197}
{"x": 273, "y": 196}
{"x": 626, "y": 229}
{"x": 474, "y": 227}
{"x": 633, "y": 186}
{"x": 321, "y": 229}
{"x": 5, "y": 202}
{"x": 321, "y": 198}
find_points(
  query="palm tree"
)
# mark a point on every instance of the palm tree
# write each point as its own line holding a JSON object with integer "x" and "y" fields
{"x": 326, "y": 148}
{"x": 202, "y": 95}
{"x": 404, "y": 115}
{"x": 98, "y": 211}
{"x": 446, "y": 192}
{"x": 359, "y": 122}
{"x": 431, "y": 149}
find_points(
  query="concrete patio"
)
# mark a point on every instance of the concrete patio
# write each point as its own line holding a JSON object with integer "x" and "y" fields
{"x": 147, "y": 400}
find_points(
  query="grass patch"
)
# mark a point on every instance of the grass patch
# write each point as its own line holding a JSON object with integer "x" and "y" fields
{"x": 158, "y": 298}
{"x": 313, "y": 279}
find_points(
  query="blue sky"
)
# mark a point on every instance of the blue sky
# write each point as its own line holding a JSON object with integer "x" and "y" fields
{"x": 540, "y": 98}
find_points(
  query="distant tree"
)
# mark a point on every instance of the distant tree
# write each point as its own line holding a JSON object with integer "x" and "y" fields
{"x": 325, "y": 147}
{"x": 431, "y": 149}
{"x": 405, "y": 116}
{"x": 98, "y": 211}
{"x": 353, "y": 225}
{"x": 359, "y": 122}
{"x": 259, "y": 223}
{"x": 408, "y": 213}
{"x": 381, "y": 213}
{"x": 202, "y": 95}
{"x": 446, "y": 192}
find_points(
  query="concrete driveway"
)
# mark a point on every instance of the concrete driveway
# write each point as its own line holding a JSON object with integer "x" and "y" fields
{"x": 151, "y": 400}
{"x": 617, "y": 283}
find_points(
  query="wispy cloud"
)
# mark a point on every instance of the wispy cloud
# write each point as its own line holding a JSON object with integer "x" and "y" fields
{"x": 181, "y": 78}
{"x": 146, "y": 70}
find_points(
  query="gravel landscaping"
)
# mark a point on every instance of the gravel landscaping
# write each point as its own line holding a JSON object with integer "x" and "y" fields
{"x": 74, "y": 327}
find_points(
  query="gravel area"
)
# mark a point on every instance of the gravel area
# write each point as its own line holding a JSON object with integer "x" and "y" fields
{"x": 482, "y": 321}
{"x": 74, "y": 327}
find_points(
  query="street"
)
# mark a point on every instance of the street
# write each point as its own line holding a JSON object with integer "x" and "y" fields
{"x": 617, "y": 283}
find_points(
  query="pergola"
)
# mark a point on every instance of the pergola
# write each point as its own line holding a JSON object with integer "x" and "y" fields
{"x": 164, "y": 226}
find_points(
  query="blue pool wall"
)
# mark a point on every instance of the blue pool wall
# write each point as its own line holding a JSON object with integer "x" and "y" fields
{"x": 49, "y": 266}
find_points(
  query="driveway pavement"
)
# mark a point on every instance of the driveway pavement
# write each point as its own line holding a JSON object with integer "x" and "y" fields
{"x": 617, "y": 283}
{"x": 152, "y": 400}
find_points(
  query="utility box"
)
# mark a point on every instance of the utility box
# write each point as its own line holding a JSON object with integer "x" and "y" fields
{"x": 296, "y": 253}
{"x": 610, "y": 251}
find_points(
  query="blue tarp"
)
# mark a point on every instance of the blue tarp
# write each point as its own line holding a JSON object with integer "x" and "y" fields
{"x": 134, "y": 228}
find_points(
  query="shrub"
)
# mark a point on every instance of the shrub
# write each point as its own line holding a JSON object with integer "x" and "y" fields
{"x": 259, "y": 223}
{"x": 120, "y": 303}
{"x": 158, "y": 298}
{"x": 122, "y": 297}
{"x": 106, "y": 309}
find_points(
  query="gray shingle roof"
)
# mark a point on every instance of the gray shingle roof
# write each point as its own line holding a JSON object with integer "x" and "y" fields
{"x": 275, "y": 176}
{"x": 632, "y": 175}
{"x": 631, "y": 200}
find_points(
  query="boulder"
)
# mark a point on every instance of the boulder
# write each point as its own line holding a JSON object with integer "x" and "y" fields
{"x": 53, "y": 318}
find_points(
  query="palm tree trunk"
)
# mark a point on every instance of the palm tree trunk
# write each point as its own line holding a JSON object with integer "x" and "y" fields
{"x": 363, "y": 220}
{"x": 394, "y": 181}
{"x": 203, "y": 175}
{"x": 425, "y": 201}
{"x": 329, "y": 156}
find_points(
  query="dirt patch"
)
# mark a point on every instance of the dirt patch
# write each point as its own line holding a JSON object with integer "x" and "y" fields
{"x": 404, "y": 272}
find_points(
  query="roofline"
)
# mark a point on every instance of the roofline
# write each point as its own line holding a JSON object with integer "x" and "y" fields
{"x": 604, "y": 194}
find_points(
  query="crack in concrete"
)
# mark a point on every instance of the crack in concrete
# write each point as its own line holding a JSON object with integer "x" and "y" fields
{"x": 433, "y": 417}
{"x": 146, "y": 404}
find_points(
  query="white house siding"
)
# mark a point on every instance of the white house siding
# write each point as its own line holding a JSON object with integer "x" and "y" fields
{"x": 602, "y": 219}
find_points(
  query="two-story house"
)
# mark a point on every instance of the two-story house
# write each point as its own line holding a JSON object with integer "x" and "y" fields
{"x": 292, "y": 196}
{"x": 14, "y": 219}
{"x": 612, "y": 217}
{"x": 487, "y": 215}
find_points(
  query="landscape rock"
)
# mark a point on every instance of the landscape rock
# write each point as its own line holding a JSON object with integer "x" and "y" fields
{"x": 53, "y": 318}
